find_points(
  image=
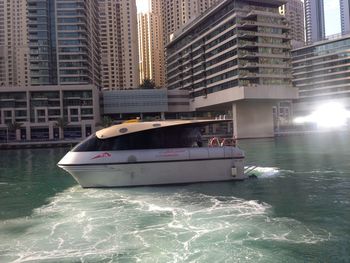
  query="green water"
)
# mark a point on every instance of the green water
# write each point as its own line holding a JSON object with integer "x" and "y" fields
{"x": 297, "y": 211}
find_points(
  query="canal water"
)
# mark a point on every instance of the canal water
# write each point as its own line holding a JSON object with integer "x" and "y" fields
{"x": 297, "y": 211}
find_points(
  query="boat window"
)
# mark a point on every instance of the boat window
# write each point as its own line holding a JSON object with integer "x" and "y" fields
{"x": 169, "y": 137}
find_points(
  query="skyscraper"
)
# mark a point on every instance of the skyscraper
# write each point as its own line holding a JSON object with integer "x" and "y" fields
{"x": 77, "y": 40}
{"x": 49, "y": 42}
{"x": 41, "y": 29}
{"x": 293, "y": 10}
{"x": 119, "y": 44}
{"x": 345, "y": 16}
{"x": 151, "y": 47}
{"x": 14, "y": 52}
{"x": 155, "y": 29}
{"x": 143, "y": 21}
{"x": 314, "y": 21}
{"x": 178, "y": 12}
{"x": 63, "y": 42}
{"x": 235, "y": 57}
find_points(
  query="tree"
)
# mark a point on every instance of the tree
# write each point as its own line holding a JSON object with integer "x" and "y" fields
{"x": 61, "y": 123}
{"x": 147, "y": 84}
{"x": 15, "y": 128}
{"x": 105, "y": 122}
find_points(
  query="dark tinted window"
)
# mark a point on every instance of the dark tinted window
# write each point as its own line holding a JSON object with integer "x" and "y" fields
{"x": 171, "y": 137}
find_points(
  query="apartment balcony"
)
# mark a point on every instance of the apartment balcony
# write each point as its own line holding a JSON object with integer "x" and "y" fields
{"x": 247, "y": 74}
{"x": 174, "y": 80}
{"x": 39, "y": 99}
{"x": 287, "y": 46}
{"x": 246, "y": 24}
{"x": 187, "y": 85}
{"x": 198, "y": 71}
{"x": 288, "y": 36}
{"x": 39, "y": 74}
{"x": 276, "y": 75}
{"x": 248, "y": 64}
{"x": 247, "y": 83}
{"x": 282, "y": 55}
{"x": 247, "y": 34}
{"x": 246, "y": 54}
{"x": 282, "y": 65}
{"x": 247, "y": 44}
{"x": 263, "y": 11}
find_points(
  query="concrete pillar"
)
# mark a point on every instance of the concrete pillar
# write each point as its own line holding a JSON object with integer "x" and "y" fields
{"x": 252, "y": 119}
{"x": 28, "y": 133}
{"x": 18, "y": 134}
{"x": 51, "y": 135}
{"x": 83, "y": 130}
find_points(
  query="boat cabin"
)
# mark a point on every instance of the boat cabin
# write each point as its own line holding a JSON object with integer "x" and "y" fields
{"x": 147, "y": 135}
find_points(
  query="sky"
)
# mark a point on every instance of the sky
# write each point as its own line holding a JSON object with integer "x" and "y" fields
{"x": 331, "y": 7}
{"x": 332, "y": 17}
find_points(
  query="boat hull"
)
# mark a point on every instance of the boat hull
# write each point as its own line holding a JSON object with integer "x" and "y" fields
{"x": 155, "y": 167}
{"x": 157, "y": 173}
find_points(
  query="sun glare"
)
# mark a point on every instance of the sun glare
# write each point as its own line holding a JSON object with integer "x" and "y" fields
{"x": 329, "y": 115}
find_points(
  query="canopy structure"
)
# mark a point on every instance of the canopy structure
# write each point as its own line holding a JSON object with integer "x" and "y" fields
{"x": 132, "y": 127}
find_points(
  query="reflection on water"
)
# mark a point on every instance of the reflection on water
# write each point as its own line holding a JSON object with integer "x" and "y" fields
{"x": 298, "y": 210}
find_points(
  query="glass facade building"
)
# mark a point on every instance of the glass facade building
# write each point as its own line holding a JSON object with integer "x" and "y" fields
{"x": 63, "y": 41}
{"x": 41, "y": 29}
{"x": 322, "y": 71}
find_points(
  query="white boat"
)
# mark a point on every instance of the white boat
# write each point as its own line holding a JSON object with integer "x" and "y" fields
{"x": 152, "y": 153}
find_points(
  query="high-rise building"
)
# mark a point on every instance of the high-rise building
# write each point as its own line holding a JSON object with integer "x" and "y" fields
{"x": 119, "y": 44}
{"x": 321, "y": 73}
{"x": 14, "y": 52}
{"x": 143, "y": 21}
{"x": 155, "y": 29}
{"x": 63, "y": 42}
{"x": 178, "y": 12}
{"x": 77, "y": 42}
{"x": 235, "y": 57}
{"x": 41, "y": 32}
{"x": 345, "y": 16}
{"x": 314, "y": 21}
{"x": 49, "y": 42}
{"x": 151, "y": 47}
{"x": 293, "y": 10}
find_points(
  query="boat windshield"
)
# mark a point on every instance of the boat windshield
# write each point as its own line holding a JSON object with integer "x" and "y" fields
{"x": 169, "y": 137}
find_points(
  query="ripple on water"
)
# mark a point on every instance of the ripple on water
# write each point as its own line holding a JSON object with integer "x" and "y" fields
{"x": 149, "y": 224}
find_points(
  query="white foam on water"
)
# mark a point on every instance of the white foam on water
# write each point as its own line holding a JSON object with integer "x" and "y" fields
{"x": 265, "y": 172}
{"x": 149, "y": 225}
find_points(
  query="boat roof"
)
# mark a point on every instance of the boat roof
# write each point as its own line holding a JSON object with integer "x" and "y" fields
{"x": 132, "y": 127}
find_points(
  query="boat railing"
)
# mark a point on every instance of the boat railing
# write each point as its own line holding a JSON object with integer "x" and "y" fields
{"x": 221, "y": 141}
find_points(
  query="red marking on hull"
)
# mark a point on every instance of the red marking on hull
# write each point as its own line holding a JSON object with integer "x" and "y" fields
{"x": 102, "y": 155}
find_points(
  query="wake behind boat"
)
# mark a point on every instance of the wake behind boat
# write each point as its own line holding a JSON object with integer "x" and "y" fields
{"x": 152, "y": 153}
